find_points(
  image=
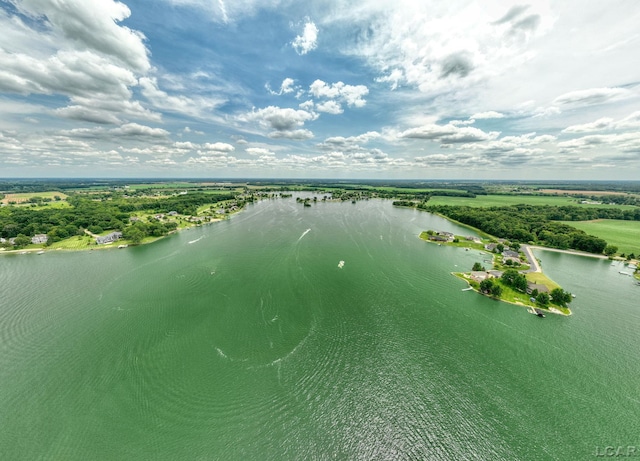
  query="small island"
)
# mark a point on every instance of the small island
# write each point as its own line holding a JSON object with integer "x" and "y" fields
{"x": 514, "y": 275}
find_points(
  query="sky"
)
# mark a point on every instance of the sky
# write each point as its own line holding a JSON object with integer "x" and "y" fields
{"x": 388, "y": 89}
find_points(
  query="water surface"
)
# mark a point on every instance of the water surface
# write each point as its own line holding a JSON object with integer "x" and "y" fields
{"x": 245, "y": 340}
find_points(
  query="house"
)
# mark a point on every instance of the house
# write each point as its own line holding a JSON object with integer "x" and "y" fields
{"x": 490, "y": 247}
{"x": 496, "y": 274}
{"x": 134, "y": 219}
{"x": 479, "y": 276}
{"x": 511, "y": 254}
{"x": 473, "y": 239}
{"x": 173, "y": 213}
{"x": 109, "y": 238}
{"x": 39, "y": 238}
{"x": 438, "y": 238}
{"x": 536, "y": 286}
{"x": 159, "y": 216}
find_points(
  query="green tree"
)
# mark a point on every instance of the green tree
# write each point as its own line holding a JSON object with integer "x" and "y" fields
{"x": 22, "y": 240}
{"x": 496, "y": 290}
{"x": 477, "y": 267}
{"x": 542, "y": 299}
{"x": 610, "y": 250}
{"x": 561, "y": 297}
{"x": 486, "y": 285}
{"x": 133, "y": 234}
{"x": 514, "y": 279}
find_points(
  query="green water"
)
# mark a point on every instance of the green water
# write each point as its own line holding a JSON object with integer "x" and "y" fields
{"x": 244, "y": 340}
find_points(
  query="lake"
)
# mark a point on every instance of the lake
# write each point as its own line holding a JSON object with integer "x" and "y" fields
{"x": 245, "y": 340}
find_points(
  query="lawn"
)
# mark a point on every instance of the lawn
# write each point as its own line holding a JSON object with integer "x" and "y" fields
{"x": 623, "y": 234}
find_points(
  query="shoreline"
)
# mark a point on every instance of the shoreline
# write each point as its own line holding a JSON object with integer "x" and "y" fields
{"x": 107, "y": 246}
{"x": 551, "y": 310}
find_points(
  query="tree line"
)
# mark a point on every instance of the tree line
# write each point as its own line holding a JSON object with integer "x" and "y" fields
{"x": 99, "y": 215}
{"x": 524, "y": 223}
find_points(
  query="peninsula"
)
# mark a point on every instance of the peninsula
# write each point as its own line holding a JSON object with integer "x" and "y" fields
{"x": 514, "y": 275}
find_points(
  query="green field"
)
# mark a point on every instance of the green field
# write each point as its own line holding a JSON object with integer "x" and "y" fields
{"x": 507, "y": 200}
{"x": 24, "y": 197}
{"x": 623, "y": 234}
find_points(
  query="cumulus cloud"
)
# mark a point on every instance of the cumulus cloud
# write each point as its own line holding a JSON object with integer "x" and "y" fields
{"x": 279, "y": 119}
{"x": 330, "y": 107}
{"x": 342, "y": 142}
{"x": 93, "y": 25}
{"x": 135, "y": 129}
{"x": 306, "y": 41}
{"x": 219, "y": 147}
{"x": 448, "y": 134}
{"x": 298, "y": 135}
{"x": 260, "y": 152}
{"x": 352, "y": 95}
{"x": 287, "y": 86}
{"x": 487, "y": 115}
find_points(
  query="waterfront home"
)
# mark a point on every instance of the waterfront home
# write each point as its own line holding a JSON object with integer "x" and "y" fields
{"x": 490, "y": 247}
{"x": 536, "y": 286}
{"x": 479, "y": 276}
{"x": 109, "y": 238}
{"x": 39, "y": 238}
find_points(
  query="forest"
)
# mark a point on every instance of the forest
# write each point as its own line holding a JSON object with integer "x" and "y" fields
{"x": 537, "y": 224}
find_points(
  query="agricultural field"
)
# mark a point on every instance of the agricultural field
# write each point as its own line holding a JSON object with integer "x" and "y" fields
{"x": 25, "y": 197}
{"x": 507, "y": 200}
{"x": 623, "y": 234}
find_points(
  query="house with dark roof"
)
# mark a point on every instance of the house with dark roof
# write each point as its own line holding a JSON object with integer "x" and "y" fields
{"x": 536, "y": 286}
{"x": 109, "y": 238}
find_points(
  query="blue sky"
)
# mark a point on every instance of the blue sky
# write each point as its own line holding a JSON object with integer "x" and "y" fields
{"x": 320, "y": 89}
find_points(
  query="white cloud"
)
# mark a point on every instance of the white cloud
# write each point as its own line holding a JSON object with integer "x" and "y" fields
{"x": 600, "y": 124}
{"x": 219, "y": 147}
{"x": 260, "y": 152}
{"x": 487, "y": 115}
{"x": 352, "y": 95}
{"x": 287, "y": 86}
{"x": 592, "y": 96}
{"x": 298, "y": 135}
{"x": 330, "y": 107}
{"x": 442, "y": 48}
{"x": 448, "y": 134}
{"x": 135, "y": 129}
{"x": 279, "y": 119}
{"x": 93, "y": 25}
{"x": 196, "y": 107}
{"x": 306, "y": 41}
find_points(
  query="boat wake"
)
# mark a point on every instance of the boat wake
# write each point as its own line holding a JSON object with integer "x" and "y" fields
{"x": 304, "y": 233}
{"x": 196, "y": 240}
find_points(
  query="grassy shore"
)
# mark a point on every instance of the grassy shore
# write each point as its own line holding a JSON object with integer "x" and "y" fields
{"x": 509, "y": 295}
{"x": 88, "y": 242}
